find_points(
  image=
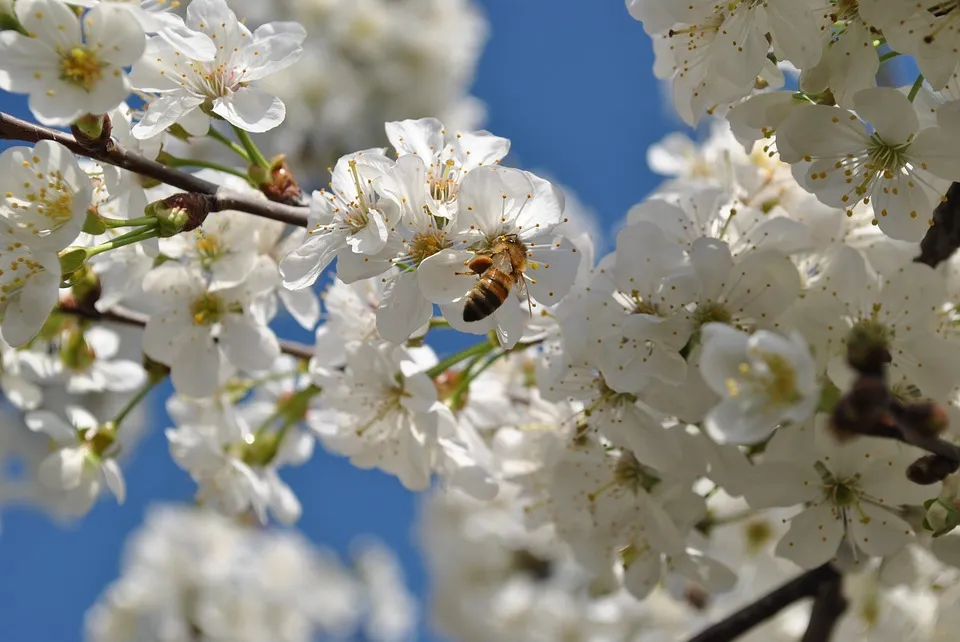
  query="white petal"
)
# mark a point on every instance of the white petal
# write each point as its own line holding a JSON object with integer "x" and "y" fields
{"x": 247, "y": 344}
{"x": 372, "y": 237}
{"x": 890, "y": 113}
{"x": 63, "y": 468}
{"x": 115, "y": 34}
{"x": 195, "y": 369}
{"x": 819, "y": 131}
{"x": 439, "y": 278}
{"x": 813, "y": 538}
{"x": 423, "y": 137}
{"x": 303, "y": 306}
{"x": 51, "y": 425}
{"x": 114, "y": 478}
{"x": 552, "y": 269}
{"x": 876, "y": 531}
{"x": 251, "y": 109}
{"x": 301, "y": 267}
{"x": 403, "y": 308}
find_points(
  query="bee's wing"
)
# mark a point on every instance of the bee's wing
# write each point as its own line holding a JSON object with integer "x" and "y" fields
{"x": 502, "y": 262}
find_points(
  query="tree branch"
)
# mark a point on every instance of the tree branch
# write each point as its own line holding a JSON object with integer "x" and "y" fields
{"x": 943, "y": 237}
{"x": 12, "y": 128}
{"x": 808, "y": 584}
{"x": 828, "y": 607}
{"x": 123, "y": 316}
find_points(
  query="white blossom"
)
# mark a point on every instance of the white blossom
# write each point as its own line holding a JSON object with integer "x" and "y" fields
{"x": 184, "y": 83}
{"x": 70, "y": 65}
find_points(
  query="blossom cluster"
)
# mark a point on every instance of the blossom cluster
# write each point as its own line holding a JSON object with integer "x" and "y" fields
{"x": 248, "y": 585}
{"x": 640, "y": 441}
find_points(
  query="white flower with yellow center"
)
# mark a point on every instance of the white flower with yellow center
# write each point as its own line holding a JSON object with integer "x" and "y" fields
{"x": 156, "y": 16}
{"x": 69, "y": 65}
{"x": 44, "y": 194}
{"x": 849, "y": 492}
{"x": 764, "y": 380}
{"x": 196, "y": 328}
{"x": 221, "y": 85}
{"x": 879, "y": 156}
{"x": 353, "y": 218}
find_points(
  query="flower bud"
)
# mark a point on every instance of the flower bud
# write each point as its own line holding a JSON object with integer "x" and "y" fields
{"x": 930, "y": 469}
{"x": 179, "y": 213}
{"x": 277, "y": 182}
{"x": 941, "y": 516}
{"x": 92, "y": 131}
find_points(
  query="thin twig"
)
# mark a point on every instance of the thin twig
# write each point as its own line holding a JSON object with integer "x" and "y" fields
{"x": 806, "y": 585}
{"x": 13, "y": 128}
{"x": 124, "y": 316}
{"x": 828, "y": 607}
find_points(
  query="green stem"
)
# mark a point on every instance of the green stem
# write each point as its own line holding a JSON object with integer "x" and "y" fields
{"x": 220, "y": 138}
{"x": 151, "y": 383}
{"x": 454, "y": 359}
{"x": 887, "y": 56}
{"x": 173, "y": 161}
{"x": 128, "y": 222}
{"x": 439, "y": 322}
{"x": 917, "y": 84}
{"x": 252, "y": 151}
{"x": 137, "y": 235}
{"x": 468, "y": 378}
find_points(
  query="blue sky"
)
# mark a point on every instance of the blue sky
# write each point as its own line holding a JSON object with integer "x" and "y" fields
{"x": 570, "y": 84}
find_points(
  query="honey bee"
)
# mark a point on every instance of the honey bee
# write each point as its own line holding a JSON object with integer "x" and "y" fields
{"x": 500, "y": 268}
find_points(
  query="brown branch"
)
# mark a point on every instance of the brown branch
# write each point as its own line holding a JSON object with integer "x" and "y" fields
{"x": 943, "y": 237}
{"x": 123, "y": 316}
{"x": 828, "y": 606}
{"x": 808, "y": 584}
{"x": 12, "y": 128}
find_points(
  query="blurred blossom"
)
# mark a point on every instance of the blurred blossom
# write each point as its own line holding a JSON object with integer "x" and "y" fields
{"x": 189, "y": 574}
{"x": 366, "y": 62}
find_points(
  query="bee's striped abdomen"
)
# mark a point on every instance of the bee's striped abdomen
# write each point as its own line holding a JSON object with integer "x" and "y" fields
{"x": 487, "y": 295}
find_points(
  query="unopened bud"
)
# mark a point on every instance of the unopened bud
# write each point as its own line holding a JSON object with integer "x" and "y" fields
{"x": 941, "y": 516}
{"x": 179, "y": 213}
{"x": 92, "y": 131}
{"x": 277, "y": 182}
{"x": 930, "y": 469}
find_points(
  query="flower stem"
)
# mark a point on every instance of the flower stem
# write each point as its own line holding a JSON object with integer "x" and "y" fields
{"x": 132, "y": 403}
{"x": 252, "y": 151}
{"x": 127, "y": 222}
{"x": 917, "y": 84}
{"x": 174, "y": 161}
{"x": 220, "y": 138}
{"x": 135, "y": 236}
{"x": 454, "y": 359}
{"x": 887, "y": 56}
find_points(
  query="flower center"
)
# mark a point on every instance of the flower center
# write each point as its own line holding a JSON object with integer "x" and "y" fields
{"x": 209, "y": 248}
{"x": 207, "y": 310}
{"x": 631, "y": 473}
{"x": 886, "y": 159}
{"x": 757, "y": 534}
{"x": 424, "y": 245}
{"x": 442, "y": 179}
{"x": 81, "y": 67}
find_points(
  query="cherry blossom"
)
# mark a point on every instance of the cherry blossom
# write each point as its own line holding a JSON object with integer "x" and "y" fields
{"x": 70, "y": 66}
